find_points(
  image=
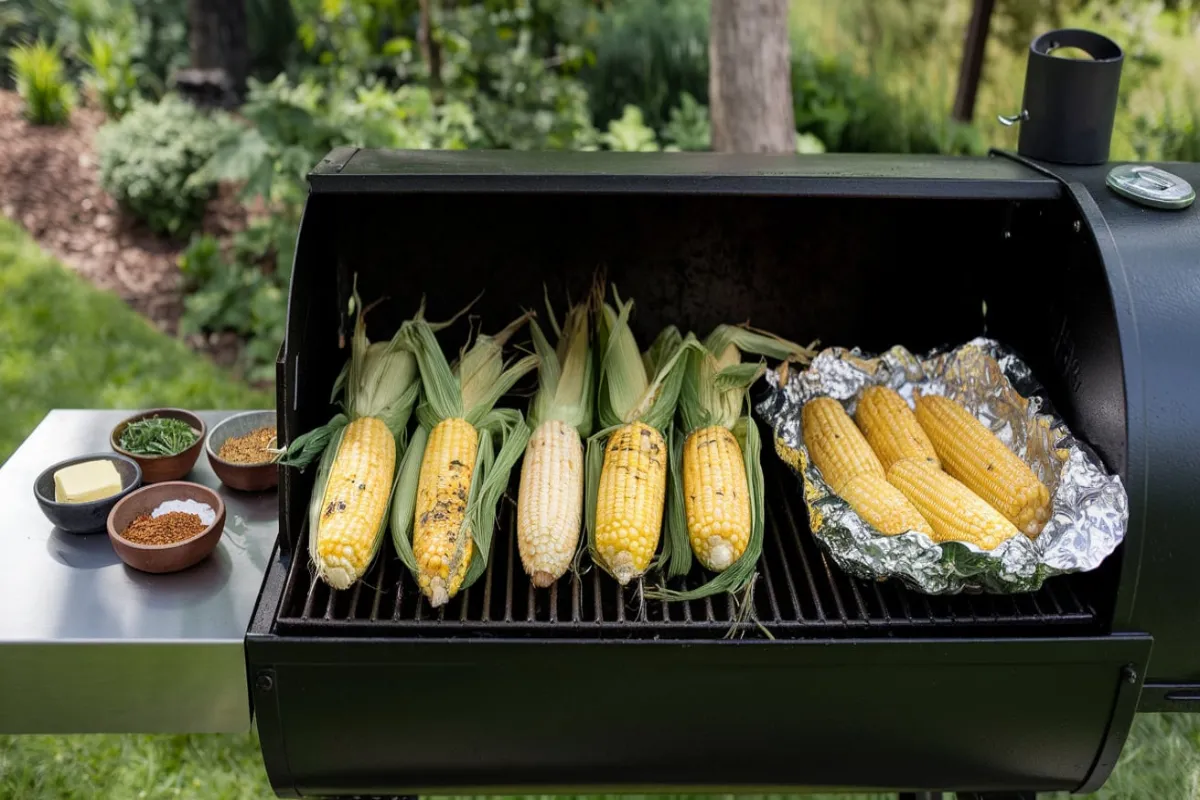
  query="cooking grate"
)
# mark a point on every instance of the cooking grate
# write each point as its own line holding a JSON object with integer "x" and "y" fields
{"x": 800, "y": 593}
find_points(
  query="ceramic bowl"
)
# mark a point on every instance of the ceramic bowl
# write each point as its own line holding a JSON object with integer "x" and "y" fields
{"x": 86, "y": 517}
{"x": 156, "y": 469}
{"x": 244, "y": 477}
{"x": 165, "y": 557}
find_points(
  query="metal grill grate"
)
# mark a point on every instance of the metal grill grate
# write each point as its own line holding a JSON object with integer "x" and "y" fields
{"x": 800, "y": 593}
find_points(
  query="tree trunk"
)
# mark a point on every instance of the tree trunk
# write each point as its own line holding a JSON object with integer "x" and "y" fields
{"x": 429, "y": 48}
{"x": 971, "y": 68}
{"x": 750, "y": 77}
{"x": 219, "y": 51}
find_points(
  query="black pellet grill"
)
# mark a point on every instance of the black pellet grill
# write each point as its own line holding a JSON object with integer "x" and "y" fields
{"x": 586, "y": 687}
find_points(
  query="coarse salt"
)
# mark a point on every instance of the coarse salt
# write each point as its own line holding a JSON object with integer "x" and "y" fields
{"x": 202, "y": 510}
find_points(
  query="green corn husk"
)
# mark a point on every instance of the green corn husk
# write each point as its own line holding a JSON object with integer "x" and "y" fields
{"x": 633, "y": 387}
{"x": 715, "y": 391}
{"x": 565, "y": 372}
{"x": 468, "y": 390}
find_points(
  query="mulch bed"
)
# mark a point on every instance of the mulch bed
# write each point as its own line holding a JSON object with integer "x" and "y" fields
{"x": 50, "y": 184}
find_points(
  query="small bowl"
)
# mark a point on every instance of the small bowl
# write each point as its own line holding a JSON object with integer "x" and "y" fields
{"x": 244, "y": 477}
{"x": 86, "y": 517}
{"x": 156, "y": 469}
{"x": 165, "y": 557}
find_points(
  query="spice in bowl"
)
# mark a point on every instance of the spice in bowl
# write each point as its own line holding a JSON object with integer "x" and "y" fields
{"x": 174, "y": 521}
{"x": 256, "y": 447}
{"x": 157, "y": 436}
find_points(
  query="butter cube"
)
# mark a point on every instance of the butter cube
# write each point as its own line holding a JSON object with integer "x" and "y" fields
{"x": 91, "y": 480}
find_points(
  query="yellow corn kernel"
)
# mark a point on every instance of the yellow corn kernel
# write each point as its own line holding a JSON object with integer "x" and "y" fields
{"x": 716, "y": 496}
{"x": 355, "y": 500}
{"x": 837, "y": 447}
{"x": 955, "y": 513}
{"x": 891, "y": 427}
{"x": 972, "y": 454}
{"x": 441, "y": 541}
{"x": 629, "y": 500}
{"x": 550, "y": 503}
{"x": 884, "y": 506}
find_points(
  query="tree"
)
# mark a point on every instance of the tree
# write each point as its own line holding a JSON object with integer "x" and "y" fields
{"x": 219, "y": 53}
{"x": 749, "y": 79}
{"x": 971, "y": 68}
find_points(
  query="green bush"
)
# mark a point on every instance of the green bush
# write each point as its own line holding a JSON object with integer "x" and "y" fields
{"x": 41, "y": 81}
{"x": 148, "y": 156}
{"x": 852, "y": 113}
{"x": 113, "y": 77}
{"x": 649, "y": 54}
{"x": 689, "y": 127}
{"x": 630, "y": 133}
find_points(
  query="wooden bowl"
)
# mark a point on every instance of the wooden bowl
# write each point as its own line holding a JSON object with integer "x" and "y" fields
{"x": 156, "y": 469}
{"x": 244, "y": 477}
{"x": 86, "y": 517}
{"x": 165, "y": 557}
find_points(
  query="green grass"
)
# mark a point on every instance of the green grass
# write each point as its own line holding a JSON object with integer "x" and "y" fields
{"x": 64, "y": 344}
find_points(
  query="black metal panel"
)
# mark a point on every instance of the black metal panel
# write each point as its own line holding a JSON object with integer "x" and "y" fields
{"x": 373, "y": 716}
{"x": 829, "y": 175}
{"x": 1153, "y": 262}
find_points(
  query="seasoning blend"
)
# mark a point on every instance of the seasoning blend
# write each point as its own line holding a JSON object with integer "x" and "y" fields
{"x": 256, "y": 447}
{"x": 170, "y": 528}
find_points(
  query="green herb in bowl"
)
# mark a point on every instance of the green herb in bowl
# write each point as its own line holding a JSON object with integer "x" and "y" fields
{"x": 158, "y": 436}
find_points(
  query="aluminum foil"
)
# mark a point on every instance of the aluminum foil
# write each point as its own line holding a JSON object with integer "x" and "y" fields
{"x": 1090, "y": 507}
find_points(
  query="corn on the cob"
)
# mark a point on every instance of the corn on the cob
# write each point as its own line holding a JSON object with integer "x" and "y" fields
{"x": 955, "y": 513}
{"x": 837, "y": 447}
{"x": 440, "y": 538}
{"x": 884, "y": 506}
{"x": 972, "y": 454}
{"x": 358, "y": 452}
{"x": 626, "y": 484}
{"x": 629, "y": 506}
{"x": 717, "y": 496}
{"x": 891, "y": 428}
{"x": 443, "y": 512}
{"x": 550, "y": 502}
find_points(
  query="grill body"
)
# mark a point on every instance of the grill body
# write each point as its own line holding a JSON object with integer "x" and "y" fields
{"x": 589, "y": 688}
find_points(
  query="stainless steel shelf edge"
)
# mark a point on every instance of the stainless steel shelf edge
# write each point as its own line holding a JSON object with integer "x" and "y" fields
{"x": 88, "y": 645}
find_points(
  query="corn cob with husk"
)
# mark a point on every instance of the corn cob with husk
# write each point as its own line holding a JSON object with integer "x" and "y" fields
{"x": 715, "y": 510}
{"x": 358, "y": 448}
{"x": 627, "y": 459}
{"x": 458, "y": 464}
{"x": 550, "y": 503}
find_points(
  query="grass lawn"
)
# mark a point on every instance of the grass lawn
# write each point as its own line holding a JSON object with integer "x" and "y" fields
{"x": 64, "y": 344}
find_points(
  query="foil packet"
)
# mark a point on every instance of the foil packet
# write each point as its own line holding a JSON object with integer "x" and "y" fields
{"x": 1090, "y": 508}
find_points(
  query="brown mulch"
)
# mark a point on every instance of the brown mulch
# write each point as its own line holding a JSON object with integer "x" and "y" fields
{"x": 50, "y": 184}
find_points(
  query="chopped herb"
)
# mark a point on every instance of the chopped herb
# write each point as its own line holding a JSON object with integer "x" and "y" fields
{"x": 159, "y": 436}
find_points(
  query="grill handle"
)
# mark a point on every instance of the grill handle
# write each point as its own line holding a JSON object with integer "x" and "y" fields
{"x": 1069, "y": 105}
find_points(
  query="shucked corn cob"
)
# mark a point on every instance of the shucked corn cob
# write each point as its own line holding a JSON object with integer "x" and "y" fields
{"x": 853, "y": 471}
{"x": 837, "y": 447}
{"x": 955, "y": 513}
{"x": 348, "y": 509}
{"x": 717, "y": 496}
{"x": 891, "y": 428}
{"x": 550, "y": 503}
{"x": 449, "y": 503}
{"x": 972, "y": 454}
{"x": 627, "y": 482}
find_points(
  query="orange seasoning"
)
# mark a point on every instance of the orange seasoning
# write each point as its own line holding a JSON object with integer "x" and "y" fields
{"x": 169, "y": 528}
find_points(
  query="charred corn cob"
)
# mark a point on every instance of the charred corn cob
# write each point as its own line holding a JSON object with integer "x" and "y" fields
{"x": 448, "y": 504}
{"x": 837, "y": 447}
{"x": 627, "y": 481}
{"x": 883, "y": 505}
{"x": 550, "y": 503}
{"x": 954, "y": 512}
{"x": 629, "y": 504}
{"x": 358, "y": 452}
{"x": 973, "y": 455}
{"x": 891, "y": 428}
{"x": 717, "y": 496}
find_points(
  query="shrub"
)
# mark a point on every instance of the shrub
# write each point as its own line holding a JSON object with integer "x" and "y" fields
{"x": 649, "y": 54}
{"x": 113, "y": 77}
{"x": 42, "y": 83}
{"x": 630, "y": 133}
{"x": 148, "y": 156}
{"x": 689, "y": 127}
